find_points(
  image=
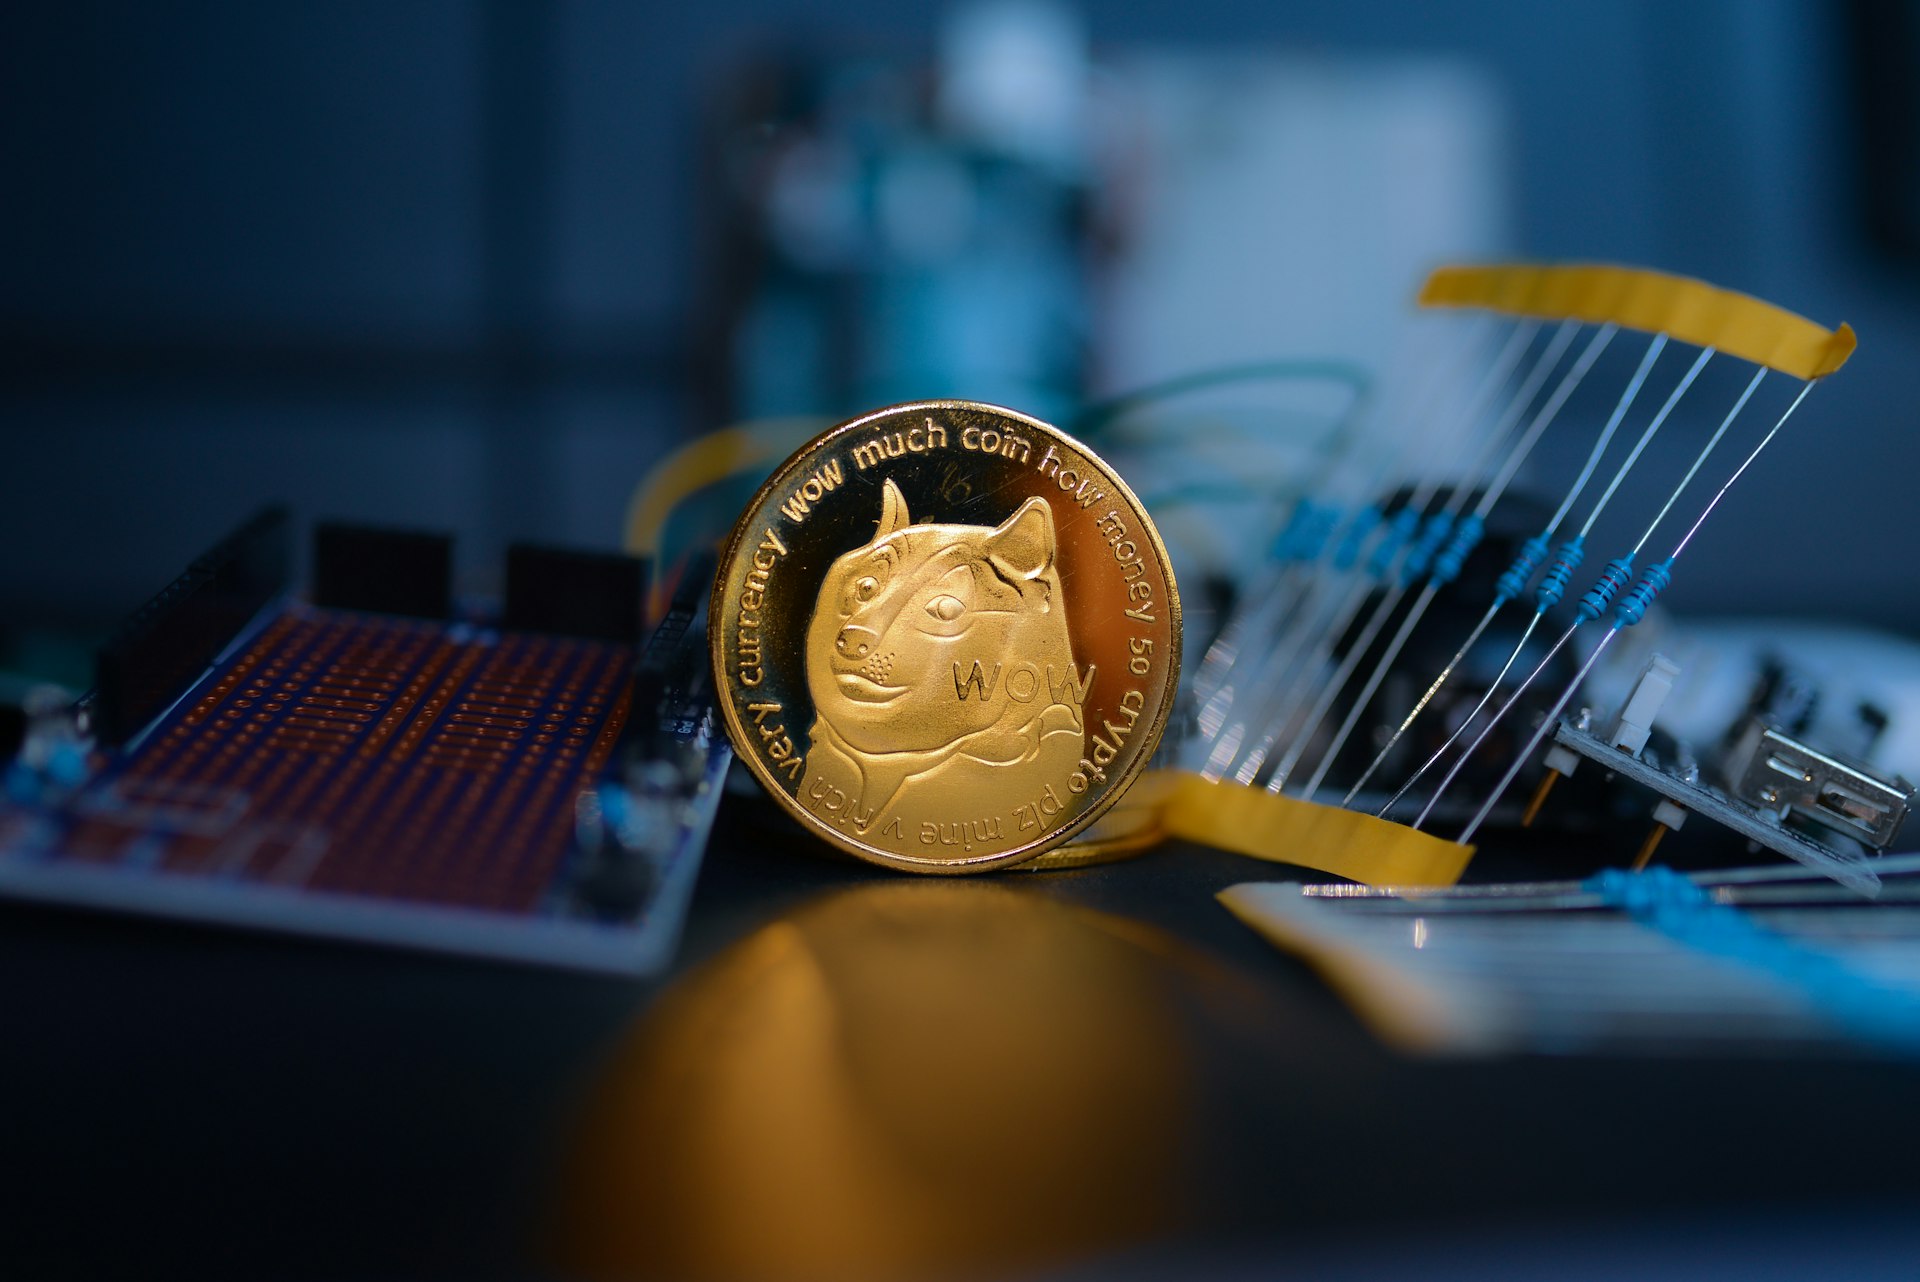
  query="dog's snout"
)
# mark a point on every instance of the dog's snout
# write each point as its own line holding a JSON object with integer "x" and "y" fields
{"x": 856, "y": 642}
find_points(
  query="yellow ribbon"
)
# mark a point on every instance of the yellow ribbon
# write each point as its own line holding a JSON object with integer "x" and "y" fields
{"x": 1400, "y": 1005}
{"x": 1286, "y": 830}
{"x": 750, "y": 449}
{"x": 1654, "y": 302}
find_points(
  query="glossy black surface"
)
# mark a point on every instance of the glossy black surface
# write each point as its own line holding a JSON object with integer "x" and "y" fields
{"x": 187, "y": 1102}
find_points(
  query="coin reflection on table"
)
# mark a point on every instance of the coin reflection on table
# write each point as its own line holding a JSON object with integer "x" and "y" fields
{"x": 898, "y": 1080}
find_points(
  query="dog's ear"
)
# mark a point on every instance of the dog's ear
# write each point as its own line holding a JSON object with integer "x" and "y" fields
{"x": 1022, "y": 546}
{"x": 893, "y": 511}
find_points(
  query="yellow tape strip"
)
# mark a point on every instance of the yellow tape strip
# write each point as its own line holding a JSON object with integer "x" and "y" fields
{"x": 1400, "y": 1006}
{"x": 1346, "y": 843}
{"x": 1655, "y": 302}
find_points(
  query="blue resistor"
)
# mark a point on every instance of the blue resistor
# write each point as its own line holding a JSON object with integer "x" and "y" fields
{"x": 616, "y": 807}
{"x": 1514, "y": 581}
{"x": 1298, "y": 533}
{"x": 21, "y": 784}
{"x": 1365, "y": 522}
{"x": 1466, "y": 537}
{"x": 1399, "y": 530}
{"x": 1439, "y": 526}
{"x": 1633, "y": 606}
{"x": 67, "y": 765}
{"x": 1617, "y": 575}
{"x": 1314, "y": 540}
{"x": 1560, "y": 573}
{"x": 1673, "y": 905}
{"x": 1283, "y": 537}
{"x": 1646, "y": 891}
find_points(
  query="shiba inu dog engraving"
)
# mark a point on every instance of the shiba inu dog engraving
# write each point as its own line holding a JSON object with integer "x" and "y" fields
{"x": 895, "y": 617}
{"x": 945, "y": 636}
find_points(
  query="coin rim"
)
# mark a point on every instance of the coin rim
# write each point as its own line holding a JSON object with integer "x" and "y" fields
{"x": 736, "y": 729}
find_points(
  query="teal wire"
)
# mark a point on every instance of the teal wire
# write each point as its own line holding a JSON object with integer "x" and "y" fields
{"x": 1101, "y": 413}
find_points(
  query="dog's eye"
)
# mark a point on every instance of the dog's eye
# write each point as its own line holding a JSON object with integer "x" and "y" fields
{"x": 946, "y": 608}
{"x": 865, "y": 587}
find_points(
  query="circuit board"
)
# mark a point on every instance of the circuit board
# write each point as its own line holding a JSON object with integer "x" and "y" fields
{"x": 415, "y": 781}
{"x": 1844, "y": 863}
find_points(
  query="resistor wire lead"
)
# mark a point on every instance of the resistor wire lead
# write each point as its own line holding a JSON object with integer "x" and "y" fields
{"x": 1540, "y": 732}
{"x": 1304, "y": 647}
{"x": 1214, "y": 684}
{"x": 1745, "y": 463}
{"x": 1273, "y": 574}
{"x": 1646, "y": 438}
{"x": 1495, "y": 489}
{"x": 1270, "y": 679}
{"x": 1466, "y": 754}
{"x": 1345, "y": 544}
{"x": 1625, "y": 619}
{"x": 1486, "y": 698}
{"x": 1568, "y": 555}
{"x": 1426, "y": 697}
{"x": 1753, "y": 385}
{"x": 1566, "y": 559}
{"x": 1514, "y": 582}
{"x": 1408, "y": 570}
{"x": 1273, "y": 662}
{"x": 1433, "y": 544}
{"x": 1605, "y": 438}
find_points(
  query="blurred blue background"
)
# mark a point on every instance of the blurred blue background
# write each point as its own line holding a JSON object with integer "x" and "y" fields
{"x": 475, "y": 265}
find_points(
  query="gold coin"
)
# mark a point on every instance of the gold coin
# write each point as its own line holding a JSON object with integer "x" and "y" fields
{"x": 945, "y": 636}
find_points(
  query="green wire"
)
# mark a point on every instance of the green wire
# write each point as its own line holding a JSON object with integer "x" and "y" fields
{"x": 1101, "y": 413}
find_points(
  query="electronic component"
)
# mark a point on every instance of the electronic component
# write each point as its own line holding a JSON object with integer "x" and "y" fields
{"x": 1635, "y": 723}
{"x": 13, "y": 729}
{"x": 1310, "y": 667}
{"x": 1631, "y": 963}
{"x": 1845, "y": 865}
{"x": 1631, "y": 730}
{"x": 1770, "y": 776}
{"x": 171, "y": 640}
{"x": 1770, "y": 769}
{"x": 382, "y": 570}
{"x": 576, "y": 593}
{"x": 368, "y": 775}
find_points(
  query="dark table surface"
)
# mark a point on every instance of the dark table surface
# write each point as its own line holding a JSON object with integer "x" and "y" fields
{"x": 849, "y": 1073}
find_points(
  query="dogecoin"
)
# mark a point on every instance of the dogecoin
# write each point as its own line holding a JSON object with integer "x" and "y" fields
{"x": 946, "y": 636}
